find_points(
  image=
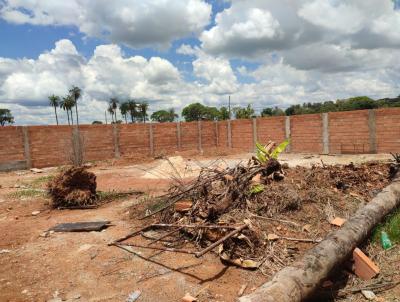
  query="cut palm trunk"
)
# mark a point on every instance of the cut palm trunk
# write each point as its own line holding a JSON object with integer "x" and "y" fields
{"x": 298, "y": 281}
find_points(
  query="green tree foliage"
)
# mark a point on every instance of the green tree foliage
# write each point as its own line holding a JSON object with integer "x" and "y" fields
{"x": 97, "y": 123}
{"x": 244, "y": 113}
{"x": 132, "y": 109}
{"x": 272, "y": 112}
{"x": 124, "y": 108}
{"x": 67, "y": 103}
{"x": 112, "y": 108}
{"x": 356, "y": 103}
{"x": 54, "y": 102}
{"x": 75, "y": 93}
{"x": 6, "y": 117}
{"x": 197, "y": 111}
{"x": 224, "y": 113}
{"x": 143, "y": 107}
{"x": 193, "y": 112}
{"x": 163, "y": 116}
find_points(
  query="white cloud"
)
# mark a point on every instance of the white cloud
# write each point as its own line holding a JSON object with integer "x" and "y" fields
{"x": 303, "y": 50}
{"x": 134, "y": 23}
{"x": 318, "y": 26}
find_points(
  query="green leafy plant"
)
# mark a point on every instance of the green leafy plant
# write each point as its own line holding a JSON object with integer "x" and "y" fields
{"x": 391, "y": 225}
{"x": 255, "y": 189}
{"x": 264, "y": 153}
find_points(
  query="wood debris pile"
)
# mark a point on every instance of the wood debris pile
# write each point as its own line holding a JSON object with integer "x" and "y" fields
{"x": 258, "y": 215}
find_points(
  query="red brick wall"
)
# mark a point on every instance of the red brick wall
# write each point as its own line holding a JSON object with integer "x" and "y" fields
{"x": 208, "y": 134}
{"x": 98, "y": 141}
{"x": 134, "y": 139}
{"x": 242, "y": 134}
{"x": 348, "y": 132}
{"x": 165, "y": 138}
{"x": 12, "y": 144}
{"x": 388, "y": 130}
{"x": 223, "y": 134}
{"x": 189, "y": 136}
{"x": 50, "y": 145}
{"x": 306, "y": 133}
{"x": 271, "y": 129}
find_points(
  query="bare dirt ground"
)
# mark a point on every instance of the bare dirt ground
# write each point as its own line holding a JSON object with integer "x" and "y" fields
{"x": 36, "y": 266}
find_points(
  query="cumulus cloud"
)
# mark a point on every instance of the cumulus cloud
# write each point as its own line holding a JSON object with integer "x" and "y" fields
{"x": 304, "y": 50}
{"x": 134, "y": 23}
{"x": 28, "y": 82}
{"x": 307, "y": 33}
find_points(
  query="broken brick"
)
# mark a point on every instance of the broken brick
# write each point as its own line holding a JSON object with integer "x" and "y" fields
{"x": 363, "y": 266}
{"x": 337, "y": 221}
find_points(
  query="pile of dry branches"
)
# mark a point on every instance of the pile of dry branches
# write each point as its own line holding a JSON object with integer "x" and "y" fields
{"x": 259, "y": 215}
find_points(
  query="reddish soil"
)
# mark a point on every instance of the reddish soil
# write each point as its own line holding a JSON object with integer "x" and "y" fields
{"x": 36, "y": 268}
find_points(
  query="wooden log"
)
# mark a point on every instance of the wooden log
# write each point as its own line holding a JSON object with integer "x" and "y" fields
{"x": 298, "y": 281}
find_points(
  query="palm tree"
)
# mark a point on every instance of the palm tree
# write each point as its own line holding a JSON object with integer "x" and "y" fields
{"x": 143, "y": 106}
{"x": 132, "y": 109}
{"x": 66, "y": 104}
{"x": 110, "y": 110}
{"x": 54, "y": 101}
{"x": 124, "y": 107}
{"x": 172, "y": 114}
{"x": 114, "y": 105}
{"x": 76, "y": 93}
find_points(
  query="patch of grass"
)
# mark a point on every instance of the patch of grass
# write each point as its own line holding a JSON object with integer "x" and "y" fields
{"x": 27, "y": 193}
{"x": 152, "y": 204}
{"x": 114, "y": 195}
{"x": 40, "y": 181}
{"x": 391, "y": 226}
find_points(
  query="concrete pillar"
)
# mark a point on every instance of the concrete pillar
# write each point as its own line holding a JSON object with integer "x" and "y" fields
{"x": 151, "y": 139}
{"x": 216, "y": 134}
{"x": 116, "y": 141}
{"x": 178, "y": 135}
{"x": 255, "y": 136}
{"x": 229, "y": 130}
{"x": 325, "y": 133}
{"x": 199, "y": 134}
{"x": 287, "y": 132}
{"x": 372, "y": 131}
{"x": 27, "y": 149}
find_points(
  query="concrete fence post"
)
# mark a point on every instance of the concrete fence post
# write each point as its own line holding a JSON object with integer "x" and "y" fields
{"x": 178, "y": 135}
{"x": 325, "y": 133}
{"x": 229, "y": 133}
{"x": 216, "y": 134}
{"x": 151, "y": 139}
{"x": 199, "y": 134}
{"x": 288, "y": 134}
{"x": 255, "y": 135}
{"x": 372, "y": 131}
{"x": 117, "y": 153}
{"x": 27, "y": 149}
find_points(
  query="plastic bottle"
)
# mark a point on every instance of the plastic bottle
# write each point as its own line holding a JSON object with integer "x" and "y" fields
{"x": 385, "y": 241}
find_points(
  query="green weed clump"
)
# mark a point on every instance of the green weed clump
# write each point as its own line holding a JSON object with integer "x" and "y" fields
{"x": 391, "y": 226}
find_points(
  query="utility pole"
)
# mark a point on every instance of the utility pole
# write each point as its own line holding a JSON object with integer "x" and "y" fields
{"x": 229, "y": 106}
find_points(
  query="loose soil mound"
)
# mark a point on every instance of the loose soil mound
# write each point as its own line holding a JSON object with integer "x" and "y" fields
{"x": 73, "y": 187}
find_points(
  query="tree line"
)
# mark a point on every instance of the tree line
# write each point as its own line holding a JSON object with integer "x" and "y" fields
{"x": 134, "y": 111}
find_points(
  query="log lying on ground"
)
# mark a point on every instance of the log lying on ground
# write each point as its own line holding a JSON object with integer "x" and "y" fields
{"x": 298, "y": 281}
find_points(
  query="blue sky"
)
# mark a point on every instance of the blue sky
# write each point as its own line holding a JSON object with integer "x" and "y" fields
{"x": 174, "y": 52}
